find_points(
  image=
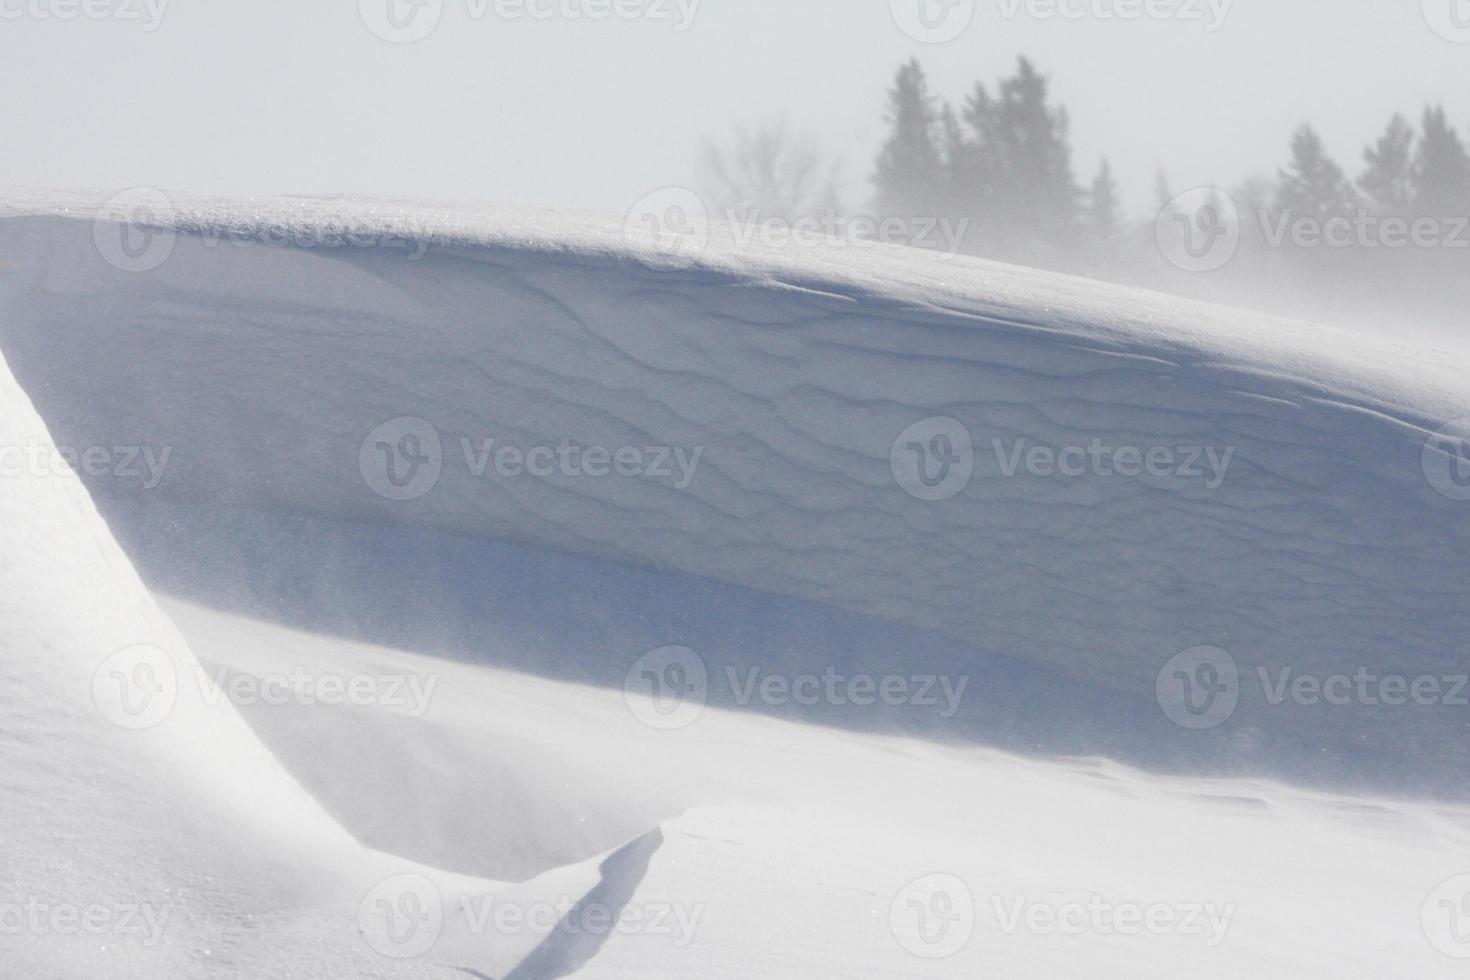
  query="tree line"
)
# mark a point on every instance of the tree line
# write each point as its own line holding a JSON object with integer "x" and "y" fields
{"x": 1003, "y": 158}
{"x": 999, "y": 165}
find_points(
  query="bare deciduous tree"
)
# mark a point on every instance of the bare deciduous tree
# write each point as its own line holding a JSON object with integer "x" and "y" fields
{"x": 769, "y": 171}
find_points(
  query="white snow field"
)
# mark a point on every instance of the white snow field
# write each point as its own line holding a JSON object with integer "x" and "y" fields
{"x": 408, "y": 705}
{"x": 156, "y": 837}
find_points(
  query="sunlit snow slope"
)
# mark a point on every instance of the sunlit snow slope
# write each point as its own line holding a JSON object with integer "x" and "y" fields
{"x": 792, "y": 850}
{"x": 145, "y": 831}
{"x": 292, "y": 440}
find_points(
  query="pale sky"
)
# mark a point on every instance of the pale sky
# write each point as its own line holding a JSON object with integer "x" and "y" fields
{"x": 270, "y": 96}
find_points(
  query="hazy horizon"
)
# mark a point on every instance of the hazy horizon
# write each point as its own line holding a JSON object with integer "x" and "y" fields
{"x": 569, "y": 111}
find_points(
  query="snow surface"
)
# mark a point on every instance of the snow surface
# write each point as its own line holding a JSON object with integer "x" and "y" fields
{"x": 264, "y": 369}
{"x": 184, "y": 849}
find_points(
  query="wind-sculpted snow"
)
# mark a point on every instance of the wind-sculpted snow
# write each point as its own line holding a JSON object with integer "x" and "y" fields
{"x": 146, "y": 832}
{"x": 773, "y": 406}
{"x": 793, "y": 849}
{"x": 823, "y": 466}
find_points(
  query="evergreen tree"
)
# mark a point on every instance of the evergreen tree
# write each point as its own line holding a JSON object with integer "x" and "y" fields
{"x": 1388, "y": 179}
{"x": 1021, "y": 179}
{"x": 1314, "y": 186}
{"x": 1035, "y": 158}
{"x": 976, "y": 186}
{"x": 910, "y": 175}
{"x": 1102, "y": 204}
{"x": 1163, "y": 195}
{"x": 1253, "y": 197}
{"x": 1441, "y": 169}
{"x": 956, "y": 152}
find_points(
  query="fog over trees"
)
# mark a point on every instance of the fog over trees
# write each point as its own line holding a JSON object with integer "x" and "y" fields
{"x": 1317, "y": 237}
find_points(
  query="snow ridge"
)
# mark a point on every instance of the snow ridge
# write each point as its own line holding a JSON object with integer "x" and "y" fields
{"x": 1293, "y": 526}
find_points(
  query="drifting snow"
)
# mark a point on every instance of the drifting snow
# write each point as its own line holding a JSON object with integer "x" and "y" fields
{"x": 1289, "y": 522}
{"x": 304, "y": 434}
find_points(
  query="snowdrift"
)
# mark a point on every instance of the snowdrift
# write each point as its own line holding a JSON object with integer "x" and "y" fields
{"x": 846, "y": 460}
{"x": 791, "y": 849}
{"x": 285, "y": 354}
{"x": 145, "y": 830}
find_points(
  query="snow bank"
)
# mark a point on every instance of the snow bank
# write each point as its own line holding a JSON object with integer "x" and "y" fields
{"x": 795, "y": 850}
{"x": 258, "y": 417}
{"x": 144, "y": 829}
{"x": 774, "y": 399}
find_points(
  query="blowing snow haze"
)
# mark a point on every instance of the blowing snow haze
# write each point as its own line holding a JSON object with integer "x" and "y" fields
{"x": 671, "y": 488}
